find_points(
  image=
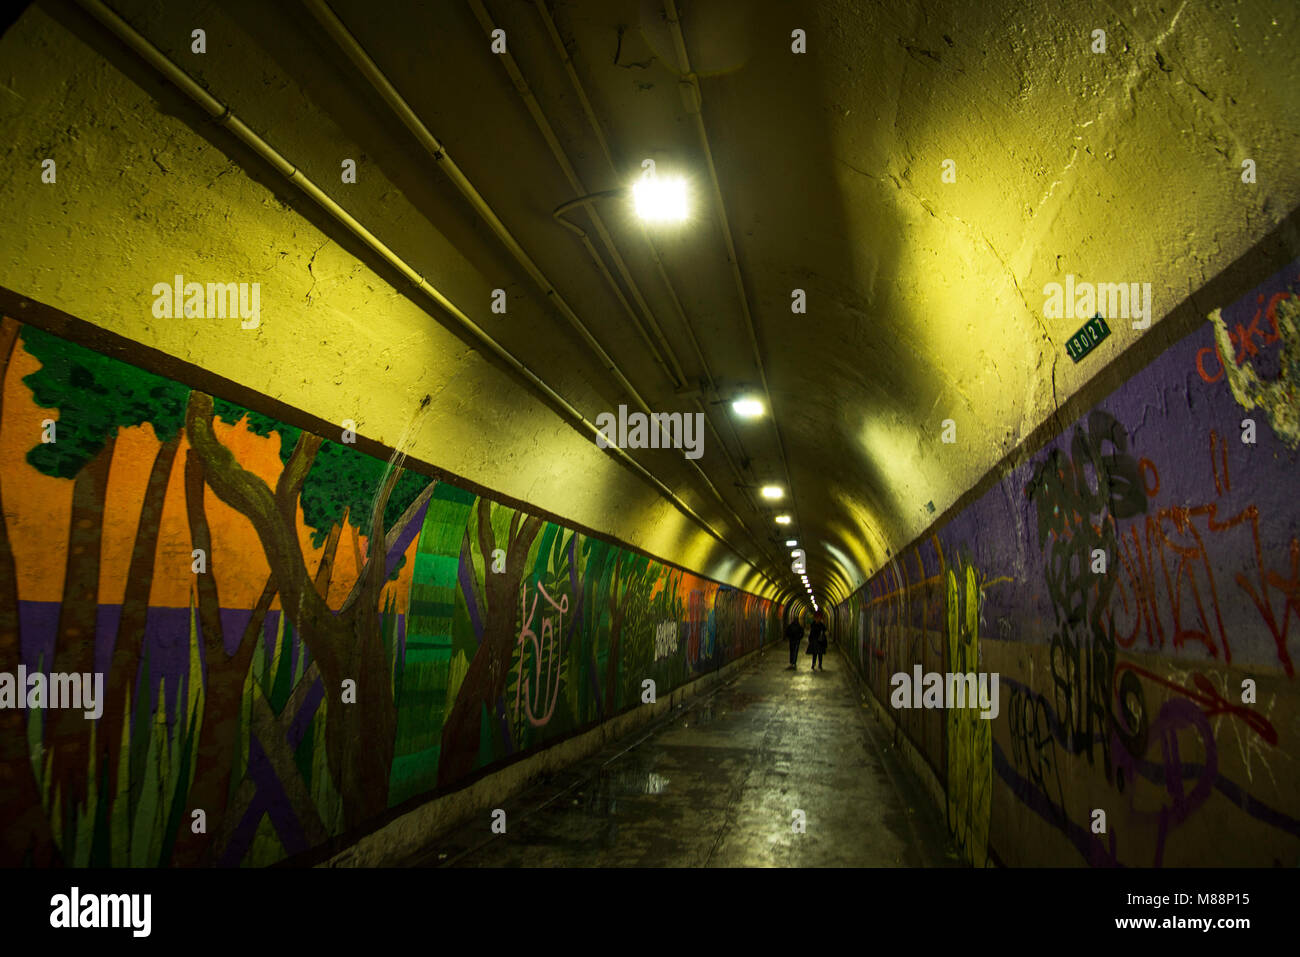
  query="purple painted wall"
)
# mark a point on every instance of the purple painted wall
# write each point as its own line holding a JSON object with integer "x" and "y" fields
{"x": 1159, "y": 693}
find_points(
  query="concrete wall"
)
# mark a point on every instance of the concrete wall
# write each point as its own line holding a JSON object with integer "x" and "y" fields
{"x": 147, "y": 188}
{"x": 1135, "y": 584}
{"x": 298, "y": 640}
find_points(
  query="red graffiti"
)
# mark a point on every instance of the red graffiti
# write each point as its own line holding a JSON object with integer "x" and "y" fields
{"x": 1244, "y": 338}
{"x": 1222, "y": 482}
{"x": 1167, "y": 557}
{"x": 1200, "y": 363}
{"x": 1210, "y": 701}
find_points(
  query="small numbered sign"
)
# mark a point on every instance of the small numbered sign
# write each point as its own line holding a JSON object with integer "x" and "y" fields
{"x": 1087, "y": 338}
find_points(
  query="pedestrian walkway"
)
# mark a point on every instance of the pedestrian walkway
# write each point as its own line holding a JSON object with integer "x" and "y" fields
{"x": 719, "y": 782}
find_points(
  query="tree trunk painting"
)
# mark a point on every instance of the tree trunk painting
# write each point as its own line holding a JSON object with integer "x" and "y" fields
{"x": 489, "y": 671}
{"x": 617, "y": 609}
{"x": 326, "y": 765}
{"x": 346, "y": 645}
{"x": 125, "y": 663}
{"x": 223, "y": 690}
{"x": 326, "y": 570}
{"x": 67, "y": 733}
{"x": 25, "y": 837}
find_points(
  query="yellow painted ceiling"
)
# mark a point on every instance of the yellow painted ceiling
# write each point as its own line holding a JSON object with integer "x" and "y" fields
{"x": 924, "y": 297}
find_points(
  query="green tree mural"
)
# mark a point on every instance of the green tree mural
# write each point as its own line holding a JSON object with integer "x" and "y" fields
{"x": 346, "y": 644}
{"x": 25, "y": 837}
{"x": 629, "y": 593}
{"x": 489, "y": 671}
{"x": 96, "y": 396}
{"x": 333, "y": 484}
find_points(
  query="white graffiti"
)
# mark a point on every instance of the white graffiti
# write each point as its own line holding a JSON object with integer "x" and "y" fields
{"x": 665, "y": 639}
{"x": 538, "y": 687}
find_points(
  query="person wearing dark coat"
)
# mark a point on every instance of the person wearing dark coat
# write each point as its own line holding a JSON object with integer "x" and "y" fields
{"x": 794, "y": 634}
{"x": 817, "y": 640}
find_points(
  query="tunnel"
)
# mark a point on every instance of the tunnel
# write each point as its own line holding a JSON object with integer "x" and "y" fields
{"x": 650, "y": 434}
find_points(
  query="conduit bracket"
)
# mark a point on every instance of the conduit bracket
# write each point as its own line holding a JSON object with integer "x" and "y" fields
{"x": 689, "y": 88}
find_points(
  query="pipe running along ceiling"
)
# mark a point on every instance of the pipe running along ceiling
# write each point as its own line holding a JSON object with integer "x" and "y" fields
{"x": 872, "y": 224}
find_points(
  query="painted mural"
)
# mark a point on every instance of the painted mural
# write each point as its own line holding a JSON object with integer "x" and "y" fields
{"x": 295, "y": 637}
{"x": 1157, "y": 684}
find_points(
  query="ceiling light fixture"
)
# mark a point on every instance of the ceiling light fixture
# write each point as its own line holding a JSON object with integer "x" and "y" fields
{"x": 747, "y": 408}
{"x": 772, "y": 492}
{"x": 655, "y": 199}
{"x": 660, "y": 199}
{"x": 783, "y": 520}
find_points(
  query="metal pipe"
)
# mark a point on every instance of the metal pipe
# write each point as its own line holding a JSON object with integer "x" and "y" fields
{"x": 548, "y": 133}
{"x": 357, "y": 54}
{"x": 353, "y": 49}
{"x": 584, "y": 200}
{"x": 679, "y": 41}
{"x": 576, "y": 82}
{"x": 598, "y": 129}
{"x": 370, "y": 70}
{"x": 226, "y": 118}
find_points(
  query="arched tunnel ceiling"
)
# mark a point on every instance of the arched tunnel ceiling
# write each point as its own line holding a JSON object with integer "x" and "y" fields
{"x": 924, "y": 297}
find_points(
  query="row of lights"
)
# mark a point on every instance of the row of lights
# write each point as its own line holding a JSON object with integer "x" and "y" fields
{"x": 811, "y": 597}
{"x": 750, "y": 408}
{"x": 664, "y": 199}
{"x": 793, "y": 543}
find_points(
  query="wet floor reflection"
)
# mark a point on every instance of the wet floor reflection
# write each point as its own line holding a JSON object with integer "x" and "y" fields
{"x": 716, "y": 784}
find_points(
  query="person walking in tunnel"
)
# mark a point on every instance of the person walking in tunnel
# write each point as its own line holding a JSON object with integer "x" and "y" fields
{"x": 794, "y": 634}
{"x": 817, "y": 640}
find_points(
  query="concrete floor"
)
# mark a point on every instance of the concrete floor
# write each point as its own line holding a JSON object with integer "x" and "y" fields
{"x": 716, "y": 784}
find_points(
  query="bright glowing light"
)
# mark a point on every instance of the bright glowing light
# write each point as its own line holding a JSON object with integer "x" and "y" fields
{"x": 783, "y": 520}
{"x": 660, "y": 199}
{"x": 747, "y": 408}
{"x": 791, "y": 543}
{"x": 771, "y": 492}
